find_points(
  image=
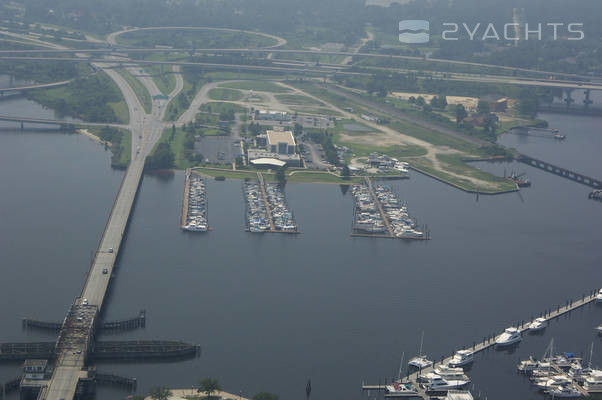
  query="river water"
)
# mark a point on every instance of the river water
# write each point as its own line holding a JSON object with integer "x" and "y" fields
{"x": 272, "y": 311}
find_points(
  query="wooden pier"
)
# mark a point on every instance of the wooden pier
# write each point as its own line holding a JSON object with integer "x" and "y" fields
{"x": 383, "y": 215}
{"x": 488, "y": 342}
{"x": 268, "y": 209}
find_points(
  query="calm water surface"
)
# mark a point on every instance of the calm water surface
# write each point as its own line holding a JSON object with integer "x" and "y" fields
{"x": 272, "y": 311}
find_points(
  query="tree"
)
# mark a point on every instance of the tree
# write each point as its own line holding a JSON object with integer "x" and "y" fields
{"x": 460, "y": 113}
{"x": 138, "y": 397}
{"x": 298, "y": 129}
{"x": 346, "y": 172}
{"x": 483, "y": 107}
{"x": 420, "y": 101}
{"x": 266, "y": 396}
{"x": 160, "y": 393}
{"x": 208, "y": 386}
{"x": 173, "y": 132}
{"x": 281, "y": 176}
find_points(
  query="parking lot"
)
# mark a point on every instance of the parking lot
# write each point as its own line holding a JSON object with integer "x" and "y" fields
{"x": 218, "y": 149}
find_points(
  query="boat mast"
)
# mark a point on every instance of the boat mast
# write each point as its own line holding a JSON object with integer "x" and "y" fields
{"x": 400, "y": 366}
{"x": 421, "y": 341}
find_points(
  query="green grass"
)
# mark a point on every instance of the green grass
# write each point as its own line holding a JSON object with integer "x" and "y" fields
{"x": 225, "y": 94}
{"x": 228, "y": 174}
{"x": 192, "y": 84}
{"x": 177, "y": 147}
{"x": 121, "y": 110}
{"x": 198, "y": 38}
{"x": 320, "y": 177}
{"x": 217, "y": 107}
{"x": 121, "y": 149}
{"x": 258, "y": 86}
{"x": 140, "y": 90}
{"x": 94, "y": 98}
{"x": 293, "y": 99}
{"x": 164, "y": 77}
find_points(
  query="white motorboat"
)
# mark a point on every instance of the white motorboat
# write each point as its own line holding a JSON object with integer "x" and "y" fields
{"x": 438, "y": 384}
{"x": 537, "y": 325}
{"x": 461, "y": 358}
{"x": 510, "y": 336}
{"x": 420, "y": 361}
{"x": 564, "y": 392}
{"x": 400, "y": 390}
{"x": 552, "y": 382}
{"x": 599, "y": 296}
{"x": 598, "y": 329}
{"x": 593, "y": 381}
{"x": 531, "y": 365}
{"x": 449, "y": 372}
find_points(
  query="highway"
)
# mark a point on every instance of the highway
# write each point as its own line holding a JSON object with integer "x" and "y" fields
{"x": 326, "y": 70}
{"x": 77, "y": 332}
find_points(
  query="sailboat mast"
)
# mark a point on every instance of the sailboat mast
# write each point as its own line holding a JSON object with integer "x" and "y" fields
{"x": 400, "y": 365}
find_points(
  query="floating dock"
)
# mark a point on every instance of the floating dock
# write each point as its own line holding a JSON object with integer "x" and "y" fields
{"x": 488, "y": 342}
{"x": 378, "y": 213}
{"x": 266, "y": 208}
{"x": 194, "y": 217}
{"x": 549, "y": 133}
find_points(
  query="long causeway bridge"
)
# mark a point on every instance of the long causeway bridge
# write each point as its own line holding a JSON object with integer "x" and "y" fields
{"x": 565, "y": 173}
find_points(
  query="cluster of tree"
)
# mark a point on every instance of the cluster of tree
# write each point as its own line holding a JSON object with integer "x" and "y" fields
{"x": 325, "y": 139}
{"x": 439, "y": 102}
{"x": 527, "y": 102}
{"x": 87, "y": 98}
{"x": 254, "y": 128}
{"x": 115, "y": 137}
{"x": 161, "y": 158}
{"x": 42, "y": 72}
{"x": 227, "y": 115}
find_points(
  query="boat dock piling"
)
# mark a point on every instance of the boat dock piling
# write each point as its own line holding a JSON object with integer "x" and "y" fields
{"x": 489, "y": 341}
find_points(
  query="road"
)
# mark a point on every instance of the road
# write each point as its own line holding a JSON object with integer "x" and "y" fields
{"x": 146, "y": 130}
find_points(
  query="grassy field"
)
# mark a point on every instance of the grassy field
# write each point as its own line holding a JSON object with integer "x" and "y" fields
{"x": 258, "y": 86}
{"x": 225, "y": 94}
{"x": 198, "y": 38}
{"x": 300, "y": 176}
{"x": 217, "y": 107}
{"x": 95, "y": 98}
{"x": 163, "y": 77}
{"x": 140, "y": 90}
{"x": 176, "y": 107}
{"x": 294, "y": 99}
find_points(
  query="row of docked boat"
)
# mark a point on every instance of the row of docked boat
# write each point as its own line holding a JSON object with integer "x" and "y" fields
{"x": 282, "y": 216}
{"x": 367, "y": 217}
{"x": 397, "y": 213}
{"x": 562, "y": 375}
{"x": 256, "y": 213}
{"x": 196, "y": 213}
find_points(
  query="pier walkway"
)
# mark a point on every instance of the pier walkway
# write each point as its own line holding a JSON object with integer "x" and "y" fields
{"x": 383, "y": 215}
{"x": 266, "y": 202}
{"x": 565, "y": 173}
{"x": 489, "y": 342}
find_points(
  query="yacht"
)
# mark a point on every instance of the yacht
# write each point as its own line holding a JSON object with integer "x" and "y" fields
{"x": 593, "y": 381}
{"x": 598, "y": 329}
{"x": 531, "y": 365}
{"x": 599, "y": 296}
{"x": 449, "y": 372}
{"x": 564, "y": 391}
{"x": 439, "y": 384}
{"x": 537, "y": 325}
{"x": 510, "y": 336}
{"x": 552, "y": 382}
{"x": 400, "y": 390}
{"x": 420, "y": 361}
{"x": 461, "y": 358}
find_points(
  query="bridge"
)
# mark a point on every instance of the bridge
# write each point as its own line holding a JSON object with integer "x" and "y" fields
{"x": 35, "y": 86}
{"x": 48, "y": 121}
{"x": 565, "y": 173}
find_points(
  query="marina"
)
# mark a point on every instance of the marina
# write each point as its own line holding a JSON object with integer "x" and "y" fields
{"x": 378, "y": 212}
{"x": 194, "y": 204}
{"x": 558, "y": 376}
{"x": 266, "y": 208}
